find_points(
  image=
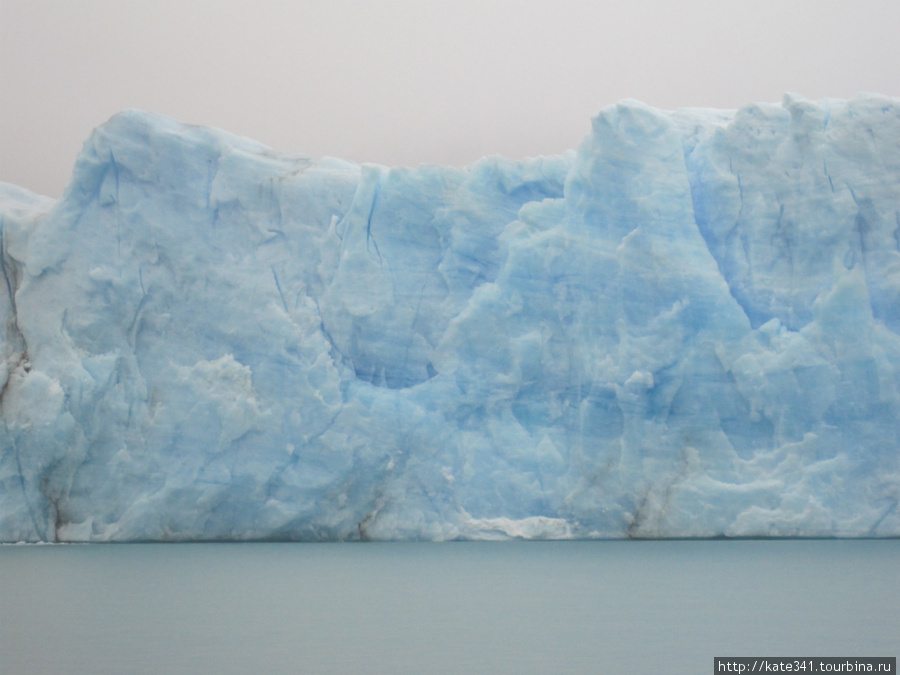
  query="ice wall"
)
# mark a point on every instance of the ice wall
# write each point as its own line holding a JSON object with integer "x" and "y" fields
{"x": 688, "y": 327}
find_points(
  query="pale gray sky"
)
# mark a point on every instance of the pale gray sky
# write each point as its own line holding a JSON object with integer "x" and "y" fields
{"x": 403, "y": 83}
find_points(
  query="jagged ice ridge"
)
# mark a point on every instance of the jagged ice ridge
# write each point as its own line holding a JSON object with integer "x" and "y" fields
{"x": 690, "y": 327}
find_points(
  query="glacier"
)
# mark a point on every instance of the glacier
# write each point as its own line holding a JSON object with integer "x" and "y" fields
{"x": 689, "y": 327}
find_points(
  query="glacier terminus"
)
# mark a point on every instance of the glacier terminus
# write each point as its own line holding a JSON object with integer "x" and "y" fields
{"x": 689, "y": 327}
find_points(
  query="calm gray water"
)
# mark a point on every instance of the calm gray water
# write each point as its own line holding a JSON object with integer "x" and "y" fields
{"x": 551, "y": 607}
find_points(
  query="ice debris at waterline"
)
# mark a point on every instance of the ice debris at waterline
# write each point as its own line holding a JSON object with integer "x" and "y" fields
{"x": 690, "y": 327}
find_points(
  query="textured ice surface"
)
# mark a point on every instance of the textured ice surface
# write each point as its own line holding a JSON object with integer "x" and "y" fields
{"x": 688, "y": 327}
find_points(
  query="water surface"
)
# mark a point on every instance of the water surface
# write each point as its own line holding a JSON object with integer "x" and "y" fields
{"x": 520, "y": 607}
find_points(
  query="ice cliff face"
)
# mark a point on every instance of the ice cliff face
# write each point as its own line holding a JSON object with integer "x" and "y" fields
{"x": 690, "y": 327}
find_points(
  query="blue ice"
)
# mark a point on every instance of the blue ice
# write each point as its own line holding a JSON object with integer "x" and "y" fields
{"x": 689, "y": 327}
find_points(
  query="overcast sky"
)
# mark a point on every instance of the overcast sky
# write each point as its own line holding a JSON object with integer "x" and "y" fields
{"x": 404, "y": 83}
